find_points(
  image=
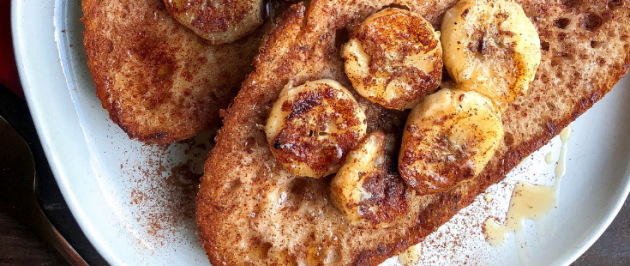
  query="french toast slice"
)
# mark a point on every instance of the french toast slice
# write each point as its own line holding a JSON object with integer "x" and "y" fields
{"x": 158, "y": 80}
{"x": 250, "y": 210}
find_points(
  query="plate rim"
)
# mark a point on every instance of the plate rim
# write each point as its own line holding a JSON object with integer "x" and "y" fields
{"x": 44, "y": 134}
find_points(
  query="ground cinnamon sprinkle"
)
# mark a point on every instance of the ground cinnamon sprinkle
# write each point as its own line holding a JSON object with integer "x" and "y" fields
{"x": 162, "y": 189}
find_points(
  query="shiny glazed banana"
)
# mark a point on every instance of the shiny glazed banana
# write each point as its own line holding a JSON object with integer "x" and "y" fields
{"x": 394, "y": 58}
{"x": 312, "y": 127}
{"x": 449, "y": 137}
{"x": 218, "y": 21}
{"x": 491, "y": 47}
{"x": 367, "y": 189}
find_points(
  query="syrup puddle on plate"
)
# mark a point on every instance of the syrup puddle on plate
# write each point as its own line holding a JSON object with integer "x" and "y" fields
{"x": 488, "y": 197}
{"x": 529, "y": 202}
{"x": 411, "y": 256}
{"x": 549, "y": 158}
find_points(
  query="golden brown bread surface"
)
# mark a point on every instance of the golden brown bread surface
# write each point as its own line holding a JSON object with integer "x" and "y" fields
{"x": 249, "y": 209}
{"x": 159, "y": 81}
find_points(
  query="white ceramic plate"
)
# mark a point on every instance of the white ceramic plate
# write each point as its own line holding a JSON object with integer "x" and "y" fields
{"x": 126, "y": 200}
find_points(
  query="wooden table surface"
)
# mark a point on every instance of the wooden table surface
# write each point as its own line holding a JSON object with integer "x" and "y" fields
{"x": 19, "y": 246}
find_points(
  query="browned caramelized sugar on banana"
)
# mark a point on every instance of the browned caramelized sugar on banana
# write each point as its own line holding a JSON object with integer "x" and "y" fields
{"x": 394, "y": 58}
{"x": 368, "y": 189}
{"x": 389, "y": 198}
{"x": 312, "y": 127}
{"x": 218, "y": 21}
{"x": 449, "y": 138}
{"x": 491, "y": 47}
{"x": 452, "y": 168}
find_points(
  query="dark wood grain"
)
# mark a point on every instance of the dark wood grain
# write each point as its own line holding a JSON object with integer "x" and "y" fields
{"x": 18, "y": 246}
{"x": 613, "y": 247}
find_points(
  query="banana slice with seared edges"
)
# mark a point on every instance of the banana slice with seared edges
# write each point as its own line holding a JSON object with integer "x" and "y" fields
{"x": 218, "y": 21}
{"x": 449, "y": 137}
{"x": 312, "y": 127}
{"x": 367, "y": 190}
{"x": 394, "y": 58}
{"x": 491, "y": 46}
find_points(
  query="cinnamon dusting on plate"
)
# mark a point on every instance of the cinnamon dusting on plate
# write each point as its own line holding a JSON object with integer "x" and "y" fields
{"x": 163, "y": 187}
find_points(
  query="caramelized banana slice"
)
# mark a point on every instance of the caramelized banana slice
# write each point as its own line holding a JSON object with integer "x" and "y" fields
{"x": 312, "y": 127}
{"x": 491, "y": 47}
{"x": 367, "y": 189}
{"x": 218, "y": 21}
{"x": 394, "y": 58}
{"x": 449, "y": 137}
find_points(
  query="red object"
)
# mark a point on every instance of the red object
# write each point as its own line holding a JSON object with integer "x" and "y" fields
{"x": 8, "y": 71}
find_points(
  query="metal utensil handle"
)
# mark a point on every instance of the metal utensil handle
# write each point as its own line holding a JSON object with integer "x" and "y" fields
{"x": 48, "y": 232}
{"x": 17, "y": 183}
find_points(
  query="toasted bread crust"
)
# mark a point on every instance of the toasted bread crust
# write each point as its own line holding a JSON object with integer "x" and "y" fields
{"x": 159, "y": 81}
{"x": 240, "y": 207}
